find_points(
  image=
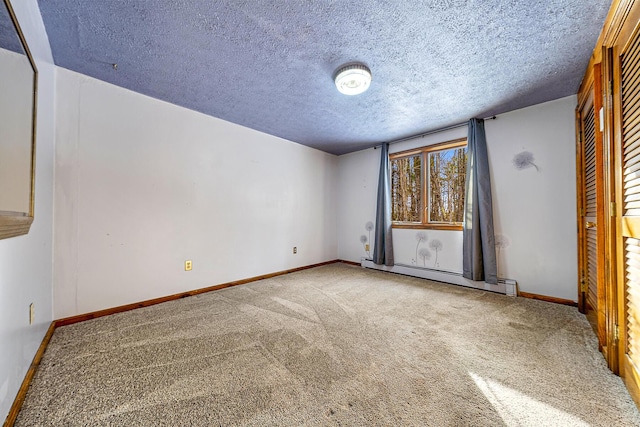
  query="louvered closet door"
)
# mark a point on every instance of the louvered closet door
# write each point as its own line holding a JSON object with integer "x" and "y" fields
{"x": 591, "y": 236}
{"x": 590, "y": 207}
{"x": 629, "y": 75}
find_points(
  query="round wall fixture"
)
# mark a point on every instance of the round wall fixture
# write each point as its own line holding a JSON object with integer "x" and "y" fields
{"x": 353, "y": 79}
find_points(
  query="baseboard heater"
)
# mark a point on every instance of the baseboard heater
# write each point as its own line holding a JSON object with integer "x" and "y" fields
{"x": 504, "y": 286}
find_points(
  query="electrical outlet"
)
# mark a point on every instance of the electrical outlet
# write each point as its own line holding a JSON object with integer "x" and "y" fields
{"x": 295, "y": 249}
{"x": 188, "y": 265}
{"x": 366, "y": 247}
{"x": 32, "y": 314}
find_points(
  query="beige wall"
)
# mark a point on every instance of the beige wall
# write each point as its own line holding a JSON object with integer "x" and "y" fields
{"x": 143, "y": 185}
{"x": 534, "y": 209}
{"x": 25, "y": 261}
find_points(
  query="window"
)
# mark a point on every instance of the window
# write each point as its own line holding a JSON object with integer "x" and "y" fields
{"x": 427, "y": 186}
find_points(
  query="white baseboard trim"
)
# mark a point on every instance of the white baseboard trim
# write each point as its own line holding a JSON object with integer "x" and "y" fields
{"x": 442, "y": 276}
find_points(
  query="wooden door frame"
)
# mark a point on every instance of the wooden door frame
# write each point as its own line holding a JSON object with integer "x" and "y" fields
{"x": 629, "y": 27}
{"x": 590, "y": 97}
{"x": 612, "y": 168}
{"x": 601, "y": 214}
{"x": 621, "y": 24}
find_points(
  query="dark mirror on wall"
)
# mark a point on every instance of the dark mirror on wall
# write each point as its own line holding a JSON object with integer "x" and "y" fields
{"x": 18, "y": 80}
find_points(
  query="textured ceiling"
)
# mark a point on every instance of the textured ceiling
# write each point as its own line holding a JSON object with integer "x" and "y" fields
{"x": 8, "y": 35}
{"x": 269, "y": 65}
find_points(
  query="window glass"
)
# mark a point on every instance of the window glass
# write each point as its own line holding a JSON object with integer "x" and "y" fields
{"x": 428, "y": 185}
{"x": 406, "y": 188}
{"x": 446, "y": 184}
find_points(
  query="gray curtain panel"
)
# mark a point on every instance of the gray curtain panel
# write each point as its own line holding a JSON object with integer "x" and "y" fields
{"x": 478, "y": 246}
{"x": 383, "y": 246}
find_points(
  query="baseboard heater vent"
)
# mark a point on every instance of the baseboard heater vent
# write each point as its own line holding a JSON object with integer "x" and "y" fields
{"x": 504, "y": 286}
{"x": 511, "y": 287}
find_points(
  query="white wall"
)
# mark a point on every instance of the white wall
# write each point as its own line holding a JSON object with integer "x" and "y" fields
{"x": 358, "y": 178}
{"x": 143, "y": 185}
{"x": 26, "y": 261}
{"x": 534, "y": 209}
{"x": 356, "y": 201}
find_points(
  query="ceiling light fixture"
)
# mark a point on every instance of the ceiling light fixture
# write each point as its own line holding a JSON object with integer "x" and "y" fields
{"x": 353, "y": 79}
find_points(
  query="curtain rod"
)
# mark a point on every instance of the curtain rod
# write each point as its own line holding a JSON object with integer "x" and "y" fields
{"x": 423, "y": 134}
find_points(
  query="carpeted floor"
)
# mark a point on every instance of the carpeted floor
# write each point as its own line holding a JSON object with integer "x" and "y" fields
{"x": 334, "y": 345}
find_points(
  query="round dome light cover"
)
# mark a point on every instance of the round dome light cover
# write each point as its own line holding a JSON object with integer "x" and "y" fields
{"x": 353, "y": 79}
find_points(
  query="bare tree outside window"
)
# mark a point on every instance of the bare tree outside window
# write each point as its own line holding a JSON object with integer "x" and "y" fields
{"x": 406, "y": 189}
{"x": 447, "y": 169}
{"x": 428, "y": 186}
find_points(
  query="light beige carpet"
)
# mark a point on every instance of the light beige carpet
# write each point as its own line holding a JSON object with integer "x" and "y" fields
{"x": 334, "y": 345}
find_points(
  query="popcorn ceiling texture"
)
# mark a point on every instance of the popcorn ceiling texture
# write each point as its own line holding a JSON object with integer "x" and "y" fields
{"x": 331, "y": 346}
{"x": 8, "y": 36}
{"x": 269, "y": 65}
